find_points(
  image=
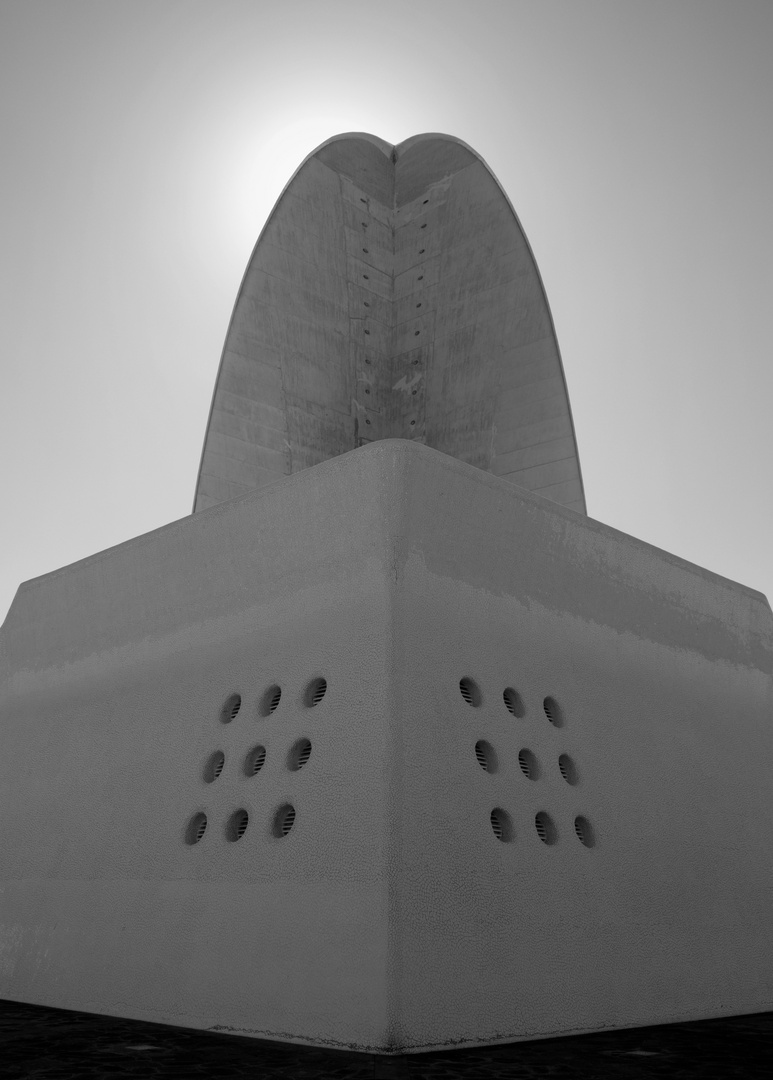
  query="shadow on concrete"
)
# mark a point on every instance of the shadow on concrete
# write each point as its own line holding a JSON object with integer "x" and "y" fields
{"x": 37, "y": 1043}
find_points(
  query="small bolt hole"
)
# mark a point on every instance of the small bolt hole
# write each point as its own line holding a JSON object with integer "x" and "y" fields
{"x": 270, "y": 701}
{"x": 237, "y": 825}
{"x": 528, "y": 763}
{"x": 314, "y": 692}
{"x": 214, "y": 766}
{"x": 513, "y": 702}
{"x": 231, "y": 708}
{"x": 546, "y": 830}
{"x": 255, "y": 761}
{"x": 470, "y": 691}
{"x": 584, "y": 831}
{"x": 284, "y": 819}
{"x": 486, "y": 756}
{"x": 553, "y": 712}
{"x": 501, "y": 825}
{"x": 299, "y": 754}
{"x": 196, "y": 828}
{"x": 567, "y": 769}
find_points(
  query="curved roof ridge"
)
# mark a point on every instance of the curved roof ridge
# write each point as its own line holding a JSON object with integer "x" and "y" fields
{"x": 290, "y": 383}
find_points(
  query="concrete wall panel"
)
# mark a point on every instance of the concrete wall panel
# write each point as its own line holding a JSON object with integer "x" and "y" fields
{"x": 389, "y": 249}
{"x": 662, "y": 672}
{"x": 114, "y": 673}
{"x": 391, "y": 916}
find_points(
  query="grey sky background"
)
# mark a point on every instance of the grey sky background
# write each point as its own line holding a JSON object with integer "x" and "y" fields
{"x": 145, "y": 142}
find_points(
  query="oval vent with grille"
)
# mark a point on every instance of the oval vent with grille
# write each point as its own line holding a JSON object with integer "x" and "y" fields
{"x": 255, "y": 760}
{"x": 514, "y": 702}
{"x": 300, "y": 752}
{"x": 237, "y": 825}
{"x": 584, "y": 831}
{"x": 546, "y": 830}
{"x": 553, "y": 712}
{"x": 528, "y": 764}
{"x": 314, "y": 692}
{"x": 270, "y": 700}
{"x": 197, "y": 826}
{"x": 567, "y": 769}
{"x": 486, "y": 756}
{"x": 284, "y": 819}
{"x": 501, "y": 824}
{"x": 470, "y": 692}
{"x": 231, "y": 708}
{"x": 214, "y": 766}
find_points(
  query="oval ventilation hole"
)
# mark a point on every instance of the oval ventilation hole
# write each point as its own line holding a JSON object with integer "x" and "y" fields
{"x": 553, "y": 712}
{"x": 214, "y": 766}
{"x": 501, "y": 824}
{"x": 231, "y": 708}
{"x": 255, "y": 761}
{"x": 584, "y": 830}
{"x": 514, "y": 702}
{"x": 546, "y": 830}
{"x": 528, "y": 763}
{"x": 567, "y": 769}
{"x": 487, "y": 758}
{"x": 270, "y": 700}
{"x": 284, "y": 819}
{"x": 470, "y": 692}
{"x": 314, "y": 692}
{"x": 237, "y": 825}
{"x": 197, "y": 826}
{"x": 300, "y": 752}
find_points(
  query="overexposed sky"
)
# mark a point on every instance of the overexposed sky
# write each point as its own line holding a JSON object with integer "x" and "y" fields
{"x": 144, "y": 142}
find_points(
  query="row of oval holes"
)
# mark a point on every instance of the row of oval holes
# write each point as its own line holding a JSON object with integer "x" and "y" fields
{"x": 284, "y": 819}
{"x": 471, "y": 693}
{"x": 299, "y": 754}
{"x": 502, "y": 825}
{"x": 236, "y": 826}
{"x": 487, "y": 759}
{"x": 270, "y": 699}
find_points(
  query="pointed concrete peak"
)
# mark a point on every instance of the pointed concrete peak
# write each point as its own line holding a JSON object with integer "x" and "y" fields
{"x": 391, "y": 294}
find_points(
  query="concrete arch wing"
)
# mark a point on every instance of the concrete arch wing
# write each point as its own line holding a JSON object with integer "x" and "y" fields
{"x": 392, "y": 294}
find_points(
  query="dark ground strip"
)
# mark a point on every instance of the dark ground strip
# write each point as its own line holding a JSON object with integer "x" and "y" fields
{"x": 37, "y": 1043}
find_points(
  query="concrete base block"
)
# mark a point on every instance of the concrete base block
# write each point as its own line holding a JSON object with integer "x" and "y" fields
{"x": 528, "y": 760}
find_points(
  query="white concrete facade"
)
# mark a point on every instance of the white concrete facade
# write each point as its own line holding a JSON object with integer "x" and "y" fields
{"x": 391, "y": 294}
{"x": 395, "y": 914}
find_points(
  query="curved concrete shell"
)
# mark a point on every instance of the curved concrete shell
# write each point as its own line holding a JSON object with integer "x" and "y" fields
{"x": 392, "y": 294}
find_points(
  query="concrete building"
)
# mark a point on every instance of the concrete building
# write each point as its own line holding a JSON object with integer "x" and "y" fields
{"x": 390, "y": 746}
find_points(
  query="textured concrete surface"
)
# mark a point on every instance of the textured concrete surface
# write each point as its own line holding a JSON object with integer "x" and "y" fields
{"x": 392, "y": 294}
{"x": 634, "y": 689}
{"x": 41, "y": 1044}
